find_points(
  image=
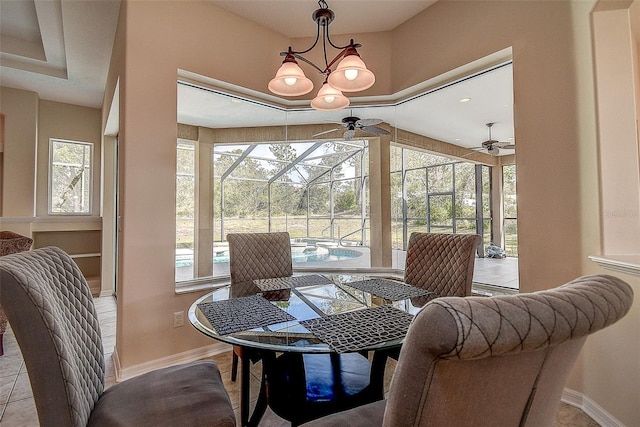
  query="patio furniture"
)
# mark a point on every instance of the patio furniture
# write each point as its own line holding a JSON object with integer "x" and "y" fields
{"x": 10, "y": 243}
{"x": 51, "y": 310}
{"x": 441, "y": 263}
{"x": 499, "y": 361}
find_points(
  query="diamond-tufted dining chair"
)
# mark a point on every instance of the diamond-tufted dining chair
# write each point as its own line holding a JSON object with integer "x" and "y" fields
{"x": 300, "y": 387}
{"x": 51, "y": 311}
{"x": 255, "y": 256}
{"x": 441, "y": 263}
{"x": 10, "y": 243}
{"x": 498, "y": 361}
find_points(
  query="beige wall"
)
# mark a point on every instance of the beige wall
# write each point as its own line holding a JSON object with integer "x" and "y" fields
{"x": 21, "y": 131}
{"x": 617, "y": 82}
{"x": 153, "y": 41}
{"x": 610, "y": 360}
{"x": 29, "y": 123}
{"x": 557, "y": 163}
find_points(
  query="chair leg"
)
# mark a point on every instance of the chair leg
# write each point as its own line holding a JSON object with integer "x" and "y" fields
{"x": 234, "y": 366}
{"x": 1, "y": 344}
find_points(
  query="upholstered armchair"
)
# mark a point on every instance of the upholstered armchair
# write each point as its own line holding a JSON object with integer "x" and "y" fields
{"x": 498, "y": 361}
{"x": 441, "y": 263}
{"x": 52, "y": 314}
{"x": 10, "y": 243}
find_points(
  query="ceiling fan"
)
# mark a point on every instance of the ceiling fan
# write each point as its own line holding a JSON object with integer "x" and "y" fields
{"x": 493, "y": 146}
{"x": 352, "y": 123}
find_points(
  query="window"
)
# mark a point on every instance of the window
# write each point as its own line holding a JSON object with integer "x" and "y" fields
{"x": 70, "y": 177}
{"x": 185, "y": 209}
{"x": 431, "y": 193}
{"x": 315, "y": 190}
{"x": 510, "y": 210}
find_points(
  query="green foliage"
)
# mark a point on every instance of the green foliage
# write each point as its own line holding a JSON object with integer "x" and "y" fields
{"x": 345, "y": 201}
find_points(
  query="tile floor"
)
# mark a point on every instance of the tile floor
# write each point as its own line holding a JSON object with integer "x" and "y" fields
{"x": 17, "y": 408}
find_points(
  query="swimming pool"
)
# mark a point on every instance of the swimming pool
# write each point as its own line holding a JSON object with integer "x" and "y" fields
{"x": 185, "y": 259}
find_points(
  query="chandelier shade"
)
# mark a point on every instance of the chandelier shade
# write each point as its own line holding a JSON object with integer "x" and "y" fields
{"x": 329, "y": 99}
{"x": 351, "y": 74}
{"x": 290, "y": 80}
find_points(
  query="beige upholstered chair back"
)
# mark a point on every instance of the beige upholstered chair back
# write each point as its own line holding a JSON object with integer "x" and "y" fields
{"x": 500, "y": 361}
{"x": 53, "y": 317}
{"x": 441, "y": 263}
{"x": 258, "y": 256}
{"x": 10, "y": 243}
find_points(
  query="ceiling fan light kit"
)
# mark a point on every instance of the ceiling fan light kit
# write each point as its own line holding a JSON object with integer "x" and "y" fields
{"x": 351, "y": 74}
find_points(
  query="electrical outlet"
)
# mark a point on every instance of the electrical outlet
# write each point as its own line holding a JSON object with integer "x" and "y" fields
{"x": 178, "y": 319}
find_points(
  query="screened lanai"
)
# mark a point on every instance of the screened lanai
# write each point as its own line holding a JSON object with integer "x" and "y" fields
{"x": 312, "y": 189}
{"x": 246, "y": 165}
{"x": 318, "y": 191}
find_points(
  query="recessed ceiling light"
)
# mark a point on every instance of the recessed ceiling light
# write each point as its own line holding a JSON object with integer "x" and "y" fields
{"x": 236, "y": 100}
{"x": 465, "y": 100}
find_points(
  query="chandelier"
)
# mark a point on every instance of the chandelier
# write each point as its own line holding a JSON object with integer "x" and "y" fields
{"x": 351, "y": 74}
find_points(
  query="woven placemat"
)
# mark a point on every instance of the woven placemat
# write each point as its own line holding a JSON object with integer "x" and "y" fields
{"x": 242, "y": 314}
{"x": 357, "y": 330}
{"x": 387, "y": 289}
{"x": 290, "y": 282}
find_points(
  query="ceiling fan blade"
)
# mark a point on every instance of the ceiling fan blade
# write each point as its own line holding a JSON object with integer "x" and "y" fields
{"x": 375, "y": 129}
{"x": 326, "y": 132}
{"x": 508, "y": 147}
{"x": 502, "y": 144}
{"x": 489, "y": 142}
{"x": 368, "y": 122}
{"x": 349, "y": 134}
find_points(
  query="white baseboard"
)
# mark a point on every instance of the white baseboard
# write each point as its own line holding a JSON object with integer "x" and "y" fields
{"x": 174, "y": 359}
{"x": 589, "y": 407}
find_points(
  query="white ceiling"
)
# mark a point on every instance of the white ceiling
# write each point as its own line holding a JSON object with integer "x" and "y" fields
{"x": 292, "y": 18}
{"x": 438, "y": 114}
{"x": 61, "y": 50}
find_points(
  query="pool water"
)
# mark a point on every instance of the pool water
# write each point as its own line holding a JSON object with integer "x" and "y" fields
{"x": 319, "y": 255}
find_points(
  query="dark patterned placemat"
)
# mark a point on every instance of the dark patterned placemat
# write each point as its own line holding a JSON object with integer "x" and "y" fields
{"x": 388, "y": 289}
{"x": 241, "y": 314}
{"x": 356, "y": 330}
{"x": 290, "y": 282}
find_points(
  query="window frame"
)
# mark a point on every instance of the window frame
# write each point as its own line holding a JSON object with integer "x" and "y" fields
{"x": 50, "y": 164}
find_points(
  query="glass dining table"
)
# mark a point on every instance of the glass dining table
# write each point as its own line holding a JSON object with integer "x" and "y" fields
{"x": 316, "y": 313}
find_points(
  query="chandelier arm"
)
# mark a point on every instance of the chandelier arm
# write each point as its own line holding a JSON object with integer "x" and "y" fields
{"x": 351, "y": 42}
{"x": 338, "y": 56}
{"x": 302, "y": 58}
{"x": 302, "y": 52}
{"x": 325, "y": 34}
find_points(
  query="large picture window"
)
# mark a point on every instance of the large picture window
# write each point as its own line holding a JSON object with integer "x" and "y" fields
{"x": 315, "y": 190}
{"x": 70, "y": 172}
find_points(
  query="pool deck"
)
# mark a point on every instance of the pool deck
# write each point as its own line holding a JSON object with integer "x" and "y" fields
{"x": 502, "y": 273}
